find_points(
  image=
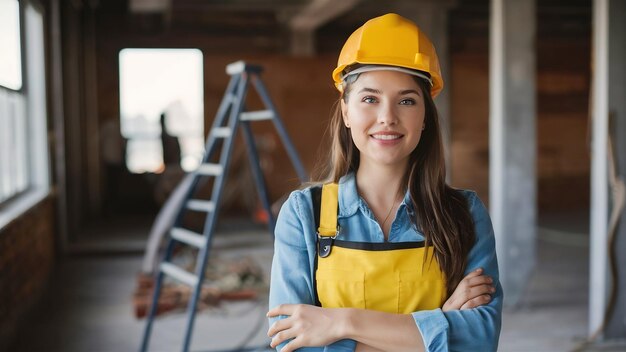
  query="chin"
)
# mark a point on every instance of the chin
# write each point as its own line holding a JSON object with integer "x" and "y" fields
{"x": 392, "y": 162}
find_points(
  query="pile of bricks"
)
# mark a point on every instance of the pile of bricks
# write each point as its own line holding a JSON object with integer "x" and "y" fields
{"x": 231, "y": 280}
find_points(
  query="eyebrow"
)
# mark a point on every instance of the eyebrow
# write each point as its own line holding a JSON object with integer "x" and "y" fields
{"x": 370, "y": 90}
{"x": 376, "y": 91}
{"x": 409, "y": 91}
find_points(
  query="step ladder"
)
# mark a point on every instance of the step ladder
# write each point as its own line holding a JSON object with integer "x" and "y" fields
{"x": 230, "y": 116}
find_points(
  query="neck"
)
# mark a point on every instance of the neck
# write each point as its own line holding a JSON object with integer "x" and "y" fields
{"x": 380, "y": 183}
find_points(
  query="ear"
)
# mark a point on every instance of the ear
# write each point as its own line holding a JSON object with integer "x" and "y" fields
{"x": 344, "y": 113}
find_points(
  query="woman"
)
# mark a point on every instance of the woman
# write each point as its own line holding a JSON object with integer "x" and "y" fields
{"x": 347, "y": 275}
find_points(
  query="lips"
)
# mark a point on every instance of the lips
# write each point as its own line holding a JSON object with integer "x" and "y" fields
{"x": 386, "y": 136}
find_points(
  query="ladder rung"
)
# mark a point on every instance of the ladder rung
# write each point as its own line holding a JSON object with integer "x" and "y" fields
{"x": 200, "y": 205}
{"x": 221, "y": 132}
{"x": 188, "y": 237}
{"x": 210, "y": 169}
{"x": 179, "y": 274}
{"x": 257, "y": 115}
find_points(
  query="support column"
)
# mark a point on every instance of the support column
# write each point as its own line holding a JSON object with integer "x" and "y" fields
{"x": 57, "y": 113}
{"x": 599, "y": 185}
{"x": 92, "y": 121}
{"x": 72, "y": 97}
{"x": 512, "y": 141}
{"x": 609, "y": 118}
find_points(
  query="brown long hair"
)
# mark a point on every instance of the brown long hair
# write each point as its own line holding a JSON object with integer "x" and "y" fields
{"x": 441, "y": 212}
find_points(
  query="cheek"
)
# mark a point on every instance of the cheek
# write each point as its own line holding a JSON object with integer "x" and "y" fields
{"x": 361, "y": 114}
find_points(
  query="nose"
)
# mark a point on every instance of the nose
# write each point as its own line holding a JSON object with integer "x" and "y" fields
{"x": 387, "y": 115}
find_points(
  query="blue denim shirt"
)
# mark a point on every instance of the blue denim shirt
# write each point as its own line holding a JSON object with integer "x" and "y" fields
{"x": 476, "y": 329}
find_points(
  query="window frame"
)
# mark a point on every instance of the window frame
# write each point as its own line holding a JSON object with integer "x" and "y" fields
{"x": 36, "y": 152}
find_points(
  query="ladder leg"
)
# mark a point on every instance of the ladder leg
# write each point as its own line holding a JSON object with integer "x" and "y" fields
{"x": 151, "y": 315}
{"x": 257, "y": 173}
{"x": 225, "y": 105}
{"x": 209, "y": 227}
{"x": 282, "y": 132}
{"x": 155, "y": 300}
{"x": 231, "y": 105}
{"x": 222, "y": 112}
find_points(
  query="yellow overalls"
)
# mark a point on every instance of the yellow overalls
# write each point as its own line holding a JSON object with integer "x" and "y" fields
{"x": 390, "y": 277}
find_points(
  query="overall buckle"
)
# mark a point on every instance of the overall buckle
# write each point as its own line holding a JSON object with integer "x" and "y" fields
{"x": 324, "y": 245}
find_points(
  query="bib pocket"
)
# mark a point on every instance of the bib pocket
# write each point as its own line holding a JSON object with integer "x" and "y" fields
{"x": 338, "y": 288}
{"x": 418, "y": 293}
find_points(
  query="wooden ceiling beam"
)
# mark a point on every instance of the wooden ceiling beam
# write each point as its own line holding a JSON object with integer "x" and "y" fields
{"x": 312, "y": 16}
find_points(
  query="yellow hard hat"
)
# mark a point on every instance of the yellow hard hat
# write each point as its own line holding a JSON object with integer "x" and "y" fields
{"x": 390, "y": 40}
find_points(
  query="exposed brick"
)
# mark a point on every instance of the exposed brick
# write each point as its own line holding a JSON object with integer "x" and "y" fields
{"x": 26, "y": 260}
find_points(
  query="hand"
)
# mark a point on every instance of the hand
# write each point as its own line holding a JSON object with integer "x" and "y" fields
{"x": 474, "y": 290}
{"x": 307, "y": 325}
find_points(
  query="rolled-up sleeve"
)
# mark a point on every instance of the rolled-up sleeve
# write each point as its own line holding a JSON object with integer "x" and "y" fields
{"x": 476, "y": 329}
{"x": 291, "y": 275}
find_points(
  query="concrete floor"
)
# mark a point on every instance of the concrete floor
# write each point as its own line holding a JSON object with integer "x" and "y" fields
{"x": 89, "y": 304}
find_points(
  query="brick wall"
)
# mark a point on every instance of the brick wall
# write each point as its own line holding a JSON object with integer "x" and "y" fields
{"x": 26, "y": 261}
{"x": 563, "y": 82}
{"x": 303, "y": 94}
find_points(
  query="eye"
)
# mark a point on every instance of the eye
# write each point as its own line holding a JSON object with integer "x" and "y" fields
{"x": 369, "y": 100}
{"x": 407, "y": 102}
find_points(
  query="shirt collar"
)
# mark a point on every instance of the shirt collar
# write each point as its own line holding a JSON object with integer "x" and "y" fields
{"x": 350, "y": 200}
{"x": 348, "y": 195}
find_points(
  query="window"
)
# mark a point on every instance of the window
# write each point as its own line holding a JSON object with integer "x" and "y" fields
{"x": 12, "y": 103}
{"x": 10, "y": 55}
{"x": 161, "y": 95}
{"x": 24, "y": 169}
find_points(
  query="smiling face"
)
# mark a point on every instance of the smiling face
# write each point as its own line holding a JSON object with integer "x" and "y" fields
{"x": 385, "y": 113}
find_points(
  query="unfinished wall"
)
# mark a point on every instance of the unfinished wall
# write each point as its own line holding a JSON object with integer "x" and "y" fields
{"x": 302, "y": 93}
{"x": 469, "y": 57}
{"x": 301, "y": 89}
{"x": 563, "y": 82}
{"x": 26, "y": 261}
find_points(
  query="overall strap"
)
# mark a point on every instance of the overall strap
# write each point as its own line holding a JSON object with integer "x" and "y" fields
{"x": 326, "y": 218}
{"x": 325, "y": 209}
{"x": 316, "y": 198}
{"x": 328, "y": 211}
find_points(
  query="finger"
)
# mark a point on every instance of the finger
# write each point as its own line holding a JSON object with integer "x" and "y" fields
{"x": 450, "y": 305}
{"x": 292, "y": 345}
{"x": 283, "y": 309}
{"x": 476, "y": 302}
{"x": 478, "y": 291}
{"x": 458, "y": 298}
{"x": 479, "y": 280}
{"x": 278, "y": 326}
{"x": 281, "y": 337}
{"x": 469, "y": 293}
{"x": 473, "y": 273}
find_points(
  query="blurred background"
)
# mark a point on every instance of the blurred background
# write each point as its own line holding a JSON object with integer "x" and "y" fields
{"x": 105, "y": 106}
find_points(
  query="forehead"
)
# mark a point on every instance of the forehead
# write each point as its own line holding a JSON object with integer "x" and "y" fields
{"x": 386, "y": 81}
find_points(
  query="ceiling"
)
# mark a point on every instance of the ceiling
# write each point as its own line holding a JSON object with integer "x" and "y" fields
{"x": 301, "y": 24}
{"x": 302, "y": 27}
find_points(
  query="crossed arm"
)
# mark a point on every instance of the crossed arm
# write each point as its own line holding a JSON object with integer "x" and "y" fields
{"x": 469, "y": 320}
{"x": 308, "y": 325}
